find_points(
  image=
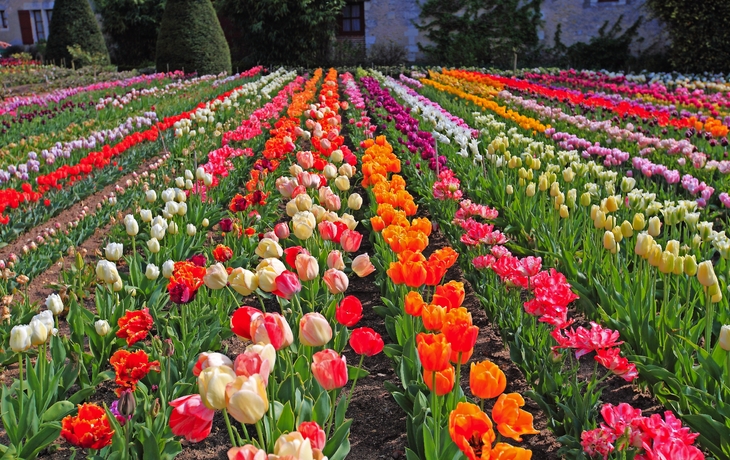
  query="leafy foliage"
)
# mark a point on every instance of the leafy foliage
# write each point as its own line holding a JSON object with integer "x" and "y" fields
{"x": 479, "y": 32}
{"x": 73, "y": 23}
{"x": 191, "y": 38}
{"x": 607, "y": 50}
{"x": 291, "y": 32}
{"x": 131, "y": 27}
{"x": 700, "y": 32}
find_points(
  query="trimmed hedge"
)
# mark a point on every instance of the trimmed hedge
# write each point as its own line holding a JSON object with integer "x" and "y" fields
{"x": 73, "y": 23}
{"x": 191, "y": 39}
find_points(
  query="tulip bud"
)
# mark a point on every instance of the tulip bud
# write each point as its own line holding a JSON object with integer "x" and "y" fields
{"x": 690, "y": 265}
{"x": 152, "y": 272}
{"x": 167, "y": 268}
{"x": 626, "y": 229}
{"x": 157, "y": 231}
{"x": 153, "y": 245}
{"x": 644, "y": 242}
{"x": 655, "y": 226}
{"x": 337, "y": 156}
{"x": 20, "y": 338}
{"x": 673, "y": 247}
{"x": 678, "y": 265}
{"x": 314, "y": 330}
{"x": 269, "y": 248}
{"x": 127, "y": 404}
{"x": 600, "y": 220}
{"x": 151, "y": 196}
{"x": 146, "y": 215}
{"x": 354, "y": 201}
{"x": 216, "y": 277}
{"x": 212, "y": 384}
{"x": 362, "y": 266}
{"x": 243, "y": 281}
{"x": 639, "y": 222}
{"x": 530, "y": 191}
{"x": 205, "y": 222}
{"x": 655, "y": 255}
{"x": 609, "y": 242}
{"x": 618, "y": 236}
{"x": 706, "y": 273}
{"x": 281, "y": 230}
{"x": 113, "y": 251}
{"x": 724, "y": 339}
{"x": 666, "y": 265}
{"x": 334, "y": 260}
{"x": 131, "y": 225}
{"x": 190, "y": 230}
{"x": 342, "y": 183}
{"x": 102, "y": 327}
{"x": 54, "y": 304}
{"x": 585, "y": 199}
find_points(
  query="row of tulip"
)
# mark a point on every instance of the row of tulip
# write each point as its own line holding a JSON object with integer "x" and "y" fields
{"x": 92, "y": 427}
{"x": 548, "y": 298}
{"x": 615, "y": 157}
{"x": 54, "y": 188}
{"x": 416, "y": 301}
{"x": 639, "y": 299}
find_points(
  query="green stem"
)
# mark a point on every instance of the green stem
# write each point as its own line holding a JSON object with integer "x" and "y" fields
{"x": 261, "y": 301}
{"x": 228, "y": 426}
{"x": 354, "y": 381}
{"x": 127, "y": 431}
{"x": 708, "y": 321}
{"x": 20, "y": 394}
{"x": 235, "y": 299}
{"x": 330, "y": 419}
{"x": 260, "y": 434}
{"x": 457, "y": 383}
{"x": 435, "y": 412}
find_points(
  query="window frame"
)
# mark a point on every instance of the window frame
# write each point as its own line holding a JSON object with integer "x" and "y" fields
{"x": 4, "y": 19}
{"x": 49, "y": 15}
{"x": 341, "y": 20}
{"x": 38, "y": 18}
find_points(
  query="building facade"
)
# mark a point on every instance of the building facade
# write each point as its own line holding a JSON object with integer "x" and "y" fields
{"x": 385, "y": 21}
{"x": 24, "y": 22}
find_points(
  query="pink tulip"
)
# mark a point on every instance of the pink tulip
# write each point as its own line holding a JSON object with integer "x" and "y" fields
{"x": 250, "y": 363}
{"x": 362, "y": 266}
{"x": 350, "y": 240}
{"x": 271, "y": 328}
{"x": 313, "y": 432}
{"x": 327, "y": 230}
{"x": 334, "y": 260}
{"x": 329, "y": 369}
{"x": 206, "y": 360}
{"x": 281, "y": 230}
{"x": 287, "y": 284}
{"x": 307, "y": 267}
{"x": 190, "y": 418}
{"x": 305, "y": 160}
{"x": 336, "y": 281}
{"x": 247, "y": 452}
{"x": 314, "y": 330}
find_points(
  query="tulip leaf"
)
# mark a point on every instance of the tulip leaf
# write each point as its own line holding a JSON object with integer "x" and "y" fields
{"x": 410, "y": 455}
{"x": 354, "y": 372}
{"x": 285, "y": 422}
{"x": 58, "y": 411}
{"x": 321, "y": 409}
{"x": 342, "y": 451}
{"x": 340, "y": 436}
{"x": 48, "y": 433}
{"x": 429, "y": 445}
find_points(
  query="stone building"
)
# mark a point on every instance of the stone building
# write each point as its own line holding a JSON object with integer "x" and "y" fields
{"x": 24, "y": 22}
{"x": 384, "y": 21}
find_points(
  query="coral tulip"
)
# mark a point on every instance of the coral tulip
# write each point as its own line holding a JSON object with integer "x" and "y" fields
{"x": 190, "y": 418}
{"x": 247, "y": 452}
{"x": 350, "y": 240}
{"x": 336, "y": 281}
{"x": 434, "y": 351}
{"x": 335, "y": 260}
{"x": 362, "y": 266}
{"x": 433, "y": 317}
{"x": 329, "y": 369}
{"x": 414, "y": 304}
{"x": 271, "y": 328}
{"x": 313, "y": 432}
{"x": 250, "y": 363}
{"x": 444, "y": 380}
{"x": 307, "y": 267}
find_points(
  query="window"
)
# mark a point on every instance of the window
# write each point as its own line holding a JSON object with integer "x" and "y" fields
{"x": 49, "y": 14}
{"x": 3, "y": 20}
{"x": 40, "y": 31}
{"x": 352, "y": 21}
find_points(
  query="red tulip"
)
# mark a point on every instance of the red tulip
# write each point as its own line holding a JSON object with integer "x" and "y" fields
{"x": 329, "y": 369}
{"x": 241, "y": 321}
{"x": 365, "y": 341}
{"x": 350, "y": 240}
{"x": 327, "y": 230}
{"x": 291, "y": 254}
{"x": 190, "y": 418}
{"x": 271, "y": 328}
{"x": 349, "y": 312}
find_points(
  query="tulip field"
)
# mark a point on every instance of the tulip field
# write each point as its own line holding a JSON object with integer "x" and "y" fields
{"x": 419, "y": 264}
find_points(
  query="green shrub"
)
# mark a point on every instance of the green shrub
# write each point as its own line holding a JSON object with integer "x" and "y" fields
{"x": 191, "y": 39}
{"x": 73, "y": 24}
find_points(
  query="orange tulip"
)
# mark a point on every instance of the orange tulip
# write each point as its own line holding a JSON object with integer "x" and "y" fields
{"x": 471, "y": 430}
{"x": 433, "y": 317}
{"x": 422, "y": 225}
{"x": 414, "y": 303}
{"x": 450, "y": 295}
{"x": 487, "y": 380}
{"x": 444, "y": 380}
{"x": 434, "y": 351}
{"x": 377, "y": 223}
{"x": 512, "y": 422}
{"x": 504, "y": 451}
{"x": 459, "y": 331}
{"x": 435, "y": 271}
{"x": 447, "y": 255}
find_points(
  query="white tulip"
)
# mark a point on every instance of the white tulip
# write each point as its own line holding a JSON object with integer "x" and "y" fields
{"x": 167, "y": 268}
{"x": 102, "y": 327}
{"x": 157, "y": 232}
{"x": 153, "y": 245}
{"x": 152, "y": 272}
{"x": 191, "y": 230}
{"x": 114, "y": 251}
{"x": 151, "y": 196}
{"x": 54, "y": 304}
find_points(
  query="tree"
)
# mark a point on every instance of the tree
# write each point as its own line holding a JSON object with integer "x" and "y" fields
{"x": 479, "y": 32}
{"x": 73, "y": 23}
{"x": 191, "y": 39}
{"x": 289, "y": 32}
{"x": 131, "y": 27}
{"x": 700, "y": 33}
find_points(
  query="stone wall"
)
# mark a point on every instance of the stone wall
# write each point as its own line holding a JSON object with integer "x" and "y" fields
{"x": 581, "y": 20}
{"x": 392, "y": 20}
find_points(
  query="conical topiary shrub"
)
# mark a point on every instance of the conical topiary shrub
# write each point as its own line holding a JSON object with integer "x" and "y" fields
{"x": 191, "y": 39}
{"x": 73, "y": 23}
